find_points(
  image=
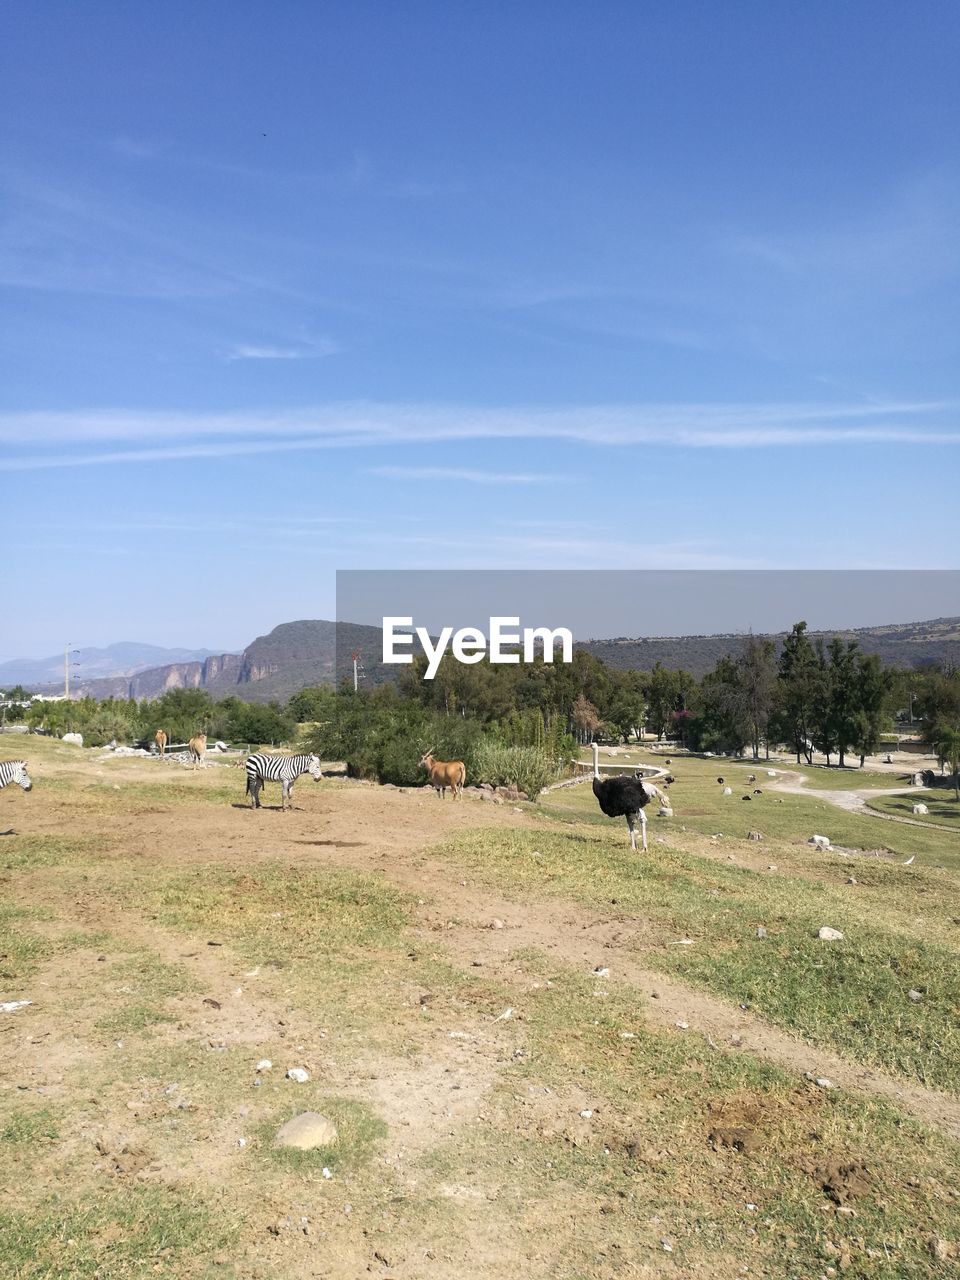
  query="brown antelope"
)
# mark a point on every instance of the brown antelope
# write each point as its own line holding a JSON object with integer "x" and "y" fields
{"x": 197, "y": 746}
{"x": 160, "y": 738}
{"x": 445, "y": 773}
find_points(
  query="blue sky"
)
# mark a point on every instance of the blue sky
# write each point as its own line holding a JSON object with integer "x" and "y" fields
{"x": 286, "y": 290}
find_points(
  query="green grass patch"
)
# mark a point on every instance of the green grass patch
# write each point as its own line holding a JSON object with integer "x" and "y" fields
{"x": 27, "y": 1128}
{"x": 118, "y": 1234}
{"x": 22, "y": 950}
{"x": 22, "y": 852}
{"x": 852, "y": 995}
{"x": 700, "y": 806}
{"x": 360, "y": 1133}
{"x": 943, "y": 806}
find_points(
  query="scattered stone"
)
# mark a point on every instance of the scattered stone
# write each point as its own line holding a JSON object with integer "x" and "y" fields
{"x": 942, "y": 1250}
{"x": 75, "y": 739}
{"x": 214, "y": 1004}
{"x": 823, "y": 1083}
{"x": 761, "y": 931}
{"x": 496, "y": 923}
{"x": 772, "y": 866}
{"x": 12, "y": 1006}
{"x": 264, "y": 1065}
{"x": 822, "y": 842}
{"x": 601, "y": 972}
{"x": 920, "y": 809}
{"x": 307, "y": 1131}
{"x": 298, "y": 1074}
{"x": 851, "y": 880}
{"x": 682, "y": 1026}
{"x": 754, "y": 835}
{"x": 827, "y": 934}
{"x": 915, "y": 996}
{"x": 664, "y": 812}
{"x": 728, "y": 791}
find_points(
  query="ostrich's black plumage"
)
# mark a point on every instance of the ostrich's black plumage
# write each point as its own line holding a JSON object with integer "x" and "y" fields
{"x": 621, "y": 796}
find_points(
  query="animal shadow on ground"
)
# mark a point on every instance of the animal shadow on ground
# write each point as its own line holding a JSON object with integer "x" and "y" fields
{"x": 334, "y": 844}
{"x": 267, "y": 808}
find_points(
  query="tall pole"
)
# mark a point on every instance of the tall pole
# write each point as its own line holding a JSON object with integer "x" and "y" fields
{"x": 66, "y": 673}
{"x": 356, "y": 681}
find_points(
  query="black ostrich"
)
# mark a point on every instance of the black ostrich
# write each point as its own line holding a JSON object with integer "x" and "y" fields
{"x": 624, "y": 797}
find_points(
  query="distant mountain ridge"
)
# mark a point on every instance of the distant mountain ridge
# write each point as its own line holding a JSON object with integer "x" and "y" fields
{"x": 906, "y": 644}
{"x": 122, "y": 659}
{"x": 317, "y": 651}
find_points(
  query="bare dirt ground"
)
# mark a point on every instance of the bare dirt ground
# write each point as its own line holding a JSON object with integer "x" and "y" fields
{"x": 388, "y": 831}
{"x": 436, "y": 1083}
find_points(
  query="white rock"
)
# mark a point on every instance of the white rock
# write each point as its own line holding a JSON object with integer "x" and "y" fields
{"x": 830, "y": 935}
{"x": 823, "y": 1083}
{"x": 920, "y": 809}
{"x": 822, "y": 842}
{"x": 264, "y": 1064}
{"x": 915, "y": 996}
{"x": 664, "y": 812}
{"x": 298, "y": 1074}
{"x": 728, "y": 791}
{"x": 75, "y": 739}
{"x": 771, "y": 773}
{"x": 601, "y": 972}
{"x": 307, "y": 1131}
{"x": 11, "y": 1006}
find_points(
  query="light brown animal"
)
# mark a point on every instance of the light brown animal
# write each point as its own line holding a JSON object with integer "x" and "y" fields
{"x": 445, "y": 773}
{"x": 160, "y": 738}
{"x": 197, "y": 746}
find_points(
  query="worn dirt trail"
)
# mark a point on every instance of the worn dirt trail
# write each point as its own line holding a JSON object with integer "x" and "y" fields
{"x": 852, "y": 801}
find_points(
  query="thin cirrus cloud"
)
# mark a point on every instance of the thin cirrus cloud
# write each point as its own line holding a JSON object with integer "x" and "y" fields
{"x": 92, "y": 438}
{"x": 466, "y": 474}
{"x": 313, "y": 350}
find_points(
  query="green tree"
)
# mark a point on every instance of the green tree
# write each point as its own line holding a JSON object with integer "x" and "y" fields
{"x": 948, "y": 748}
{"x": 757, "y": 679}
{"x": 798, "y": 680}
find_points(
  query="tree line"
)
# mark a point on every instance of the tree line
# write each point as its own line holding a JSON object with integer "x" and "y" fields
{"x": 815, "y": 698}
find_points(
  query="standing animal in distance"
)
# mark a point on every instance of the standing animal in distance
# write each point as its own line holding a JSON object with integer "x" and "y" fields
{"x": 625, "y": 797}
{"x": 160, "y": 738}
{"x": 283, "y": 769}
{"x": 197, "y": 746}
{"x": 14, "y": 771}
{"x": 445, "y": 773}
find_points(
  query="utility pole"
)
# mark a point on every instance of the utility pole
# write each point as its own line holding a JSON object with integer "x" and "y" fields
{"x": 357, "y": 670}
{"x": 66, "y": 670}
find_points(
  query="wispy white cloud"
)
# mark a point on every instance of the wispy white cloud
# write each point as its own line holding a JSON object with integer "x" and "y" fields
{"x": 315, "y": 349}
{"x": 139, "y": 436}
{"x": 466, "y": 474}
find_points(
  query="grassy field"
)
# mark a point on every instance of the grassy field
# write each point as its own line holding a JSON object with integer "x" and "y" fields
{"x": 500, "y": 1106}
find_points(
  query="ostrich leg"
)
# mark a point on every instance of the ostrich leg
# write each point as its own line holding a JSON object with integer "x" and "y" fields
{"x": 643, "y": 830}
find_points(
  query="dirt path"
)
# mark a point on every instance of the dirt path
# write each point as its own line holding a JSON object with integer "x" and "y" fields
{"x": 853, "y": 801}
{"x": 385, "y": 831}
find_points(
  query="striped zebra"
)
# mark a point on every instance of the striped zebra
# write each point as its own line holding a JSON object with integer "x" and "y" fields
{"x": 282, "y": 769}
{"x": 14, "y": 771}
